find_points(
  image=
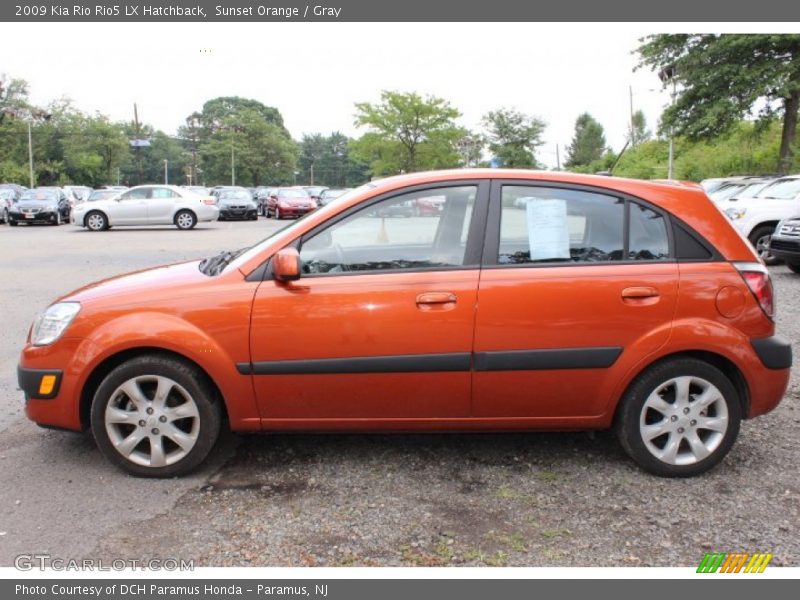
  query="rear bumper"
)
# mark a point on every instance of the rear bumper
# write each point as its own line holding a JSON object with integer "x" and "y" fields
{"x": 774, "y": 352}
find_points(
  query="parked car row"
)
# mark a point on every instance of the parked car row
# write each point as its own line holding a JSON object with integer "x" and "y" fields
{"x": 759, "y": 206}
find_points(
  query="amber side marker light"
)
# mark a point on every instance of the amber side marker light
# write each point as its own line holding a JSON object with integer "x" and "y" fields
{"x": 47, "y": 384}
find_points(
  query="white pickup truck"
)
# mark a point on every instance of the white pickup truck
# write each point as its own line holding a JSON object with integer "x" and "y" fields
{"x": 757, "y": 216}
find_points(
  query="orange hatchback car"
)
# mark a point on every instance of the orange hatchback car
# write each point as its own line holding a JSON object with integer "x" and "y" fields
{"x": 530, "y": 301}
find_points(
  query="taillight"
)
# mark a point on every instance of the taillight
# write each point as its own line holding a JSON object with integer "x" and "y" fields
{"x": 757, "y": 278}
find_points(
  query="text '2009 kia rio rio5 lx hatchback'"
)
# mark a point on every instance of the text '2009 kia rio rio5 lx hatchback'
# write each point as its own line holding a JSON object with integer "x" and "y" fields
{"x": 528, "y": 301}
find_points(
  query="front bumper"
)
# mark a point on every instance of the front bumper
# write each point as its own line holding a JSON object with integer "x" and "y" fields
{"x": 250, "y": 213}
{"x": 788, "y": 250}
{"x": 68, "y": 361}
{"x": 40, "y": 217}
{"x": 294, "y": 211}
{"x": 39, "y": 384}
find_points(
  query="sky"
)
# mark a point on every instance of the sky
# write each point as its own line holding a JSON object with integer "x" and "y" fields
{"x": 314, "y": 73}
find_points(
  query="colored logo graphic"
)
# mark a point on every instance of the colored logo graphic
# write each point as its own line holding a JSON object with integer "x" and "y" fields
{"x": 741, "y": 562}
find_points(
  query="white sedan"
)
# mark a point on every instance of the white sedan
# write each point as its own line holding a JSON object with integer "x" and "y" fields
{"x": 146, "y": 205}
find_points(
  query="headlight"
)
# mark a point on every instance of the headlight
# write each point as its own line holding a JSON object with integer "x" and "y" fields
{"x": 53, "y": 322}
{"x": 735, "y": 213}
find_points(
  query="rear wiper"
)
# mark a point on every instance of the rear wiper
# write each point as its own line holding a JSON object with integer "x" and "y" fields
{"x": 214, "y": 265}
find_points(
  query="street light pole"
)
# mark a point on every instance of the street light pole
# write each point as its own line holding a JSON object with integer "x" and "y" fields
{"x": 30, "y": 154}
{"x": 166, "y": 172}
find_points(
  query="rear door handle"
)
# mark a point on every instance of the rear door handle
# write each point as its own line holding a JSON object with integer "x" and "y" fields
{"x": 638, "y": 293}
{"x": 436, "y": 298}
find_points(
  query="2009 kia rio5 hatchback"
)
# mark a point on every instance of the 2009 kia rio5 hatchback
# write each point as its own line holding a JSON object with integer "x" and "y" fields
{"x": 530, "y": 301}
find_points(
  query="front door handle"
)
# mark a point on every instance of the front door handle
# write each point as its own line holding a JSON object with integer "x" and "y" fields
{"x": 436, "y": 298}
{"x": 639, "y": 293}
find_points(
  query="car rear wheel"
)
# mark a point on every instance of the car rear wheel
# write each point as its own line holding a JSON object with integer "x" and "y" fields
{"x": 760, "y": 238}
{"x": 185, "y": 220}
{"x": 155, "y": 416}
{"x": 793, "y": 267}
{"x": 679, "y": 418}
{"x": 96, "y": 221}
{"x": 278, "y": 213}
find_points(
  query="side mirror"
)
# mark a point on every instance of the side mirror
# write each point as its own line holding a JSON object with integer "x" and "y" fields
{"x": 286, "y": 265}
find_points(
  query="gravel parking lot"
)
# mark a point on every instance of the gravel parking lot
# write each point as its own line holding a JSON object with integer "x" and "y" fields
{"x": 335, "y": 500}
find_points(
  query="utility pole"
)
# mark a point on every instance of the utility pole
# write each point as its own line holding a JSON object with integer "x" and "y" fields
{"x": 312, "y": 174}
{"x": 30, "y": 153}
{"x": 630, "y": 91}
{"x": 666, "y": 75}
{"x": 233, "y": 166}
{"x": 166, "y": 172}
{"x": 138, "y": 138}
{"x": 558, "y": 159}
{"x": 193, "y": 132}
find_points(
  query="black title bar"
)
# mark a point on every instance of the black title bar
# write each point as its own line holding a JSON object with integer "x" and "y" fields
{"x": 733, "y": 11}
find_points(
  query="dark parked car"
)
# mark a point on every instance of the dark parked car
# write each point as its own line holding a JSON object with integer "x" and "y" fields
{"x": 236, "y": 204}
{"x": 41, "y": 205}
{"x": 290, "y": 202}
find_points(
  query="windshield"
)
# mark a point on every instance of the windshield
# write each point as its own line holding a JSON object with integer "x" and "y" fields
{"x": 101, "y": 195}
{"x": 257, "y": 248}
{"x": 39, "y": 195}
{"x": 783, "y": 189}
{"x": 290, "y": 193}
{"x": 235, "y": 196}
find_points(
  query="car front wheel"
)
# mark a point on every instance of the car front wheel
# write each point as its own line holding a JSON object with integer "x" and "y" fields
{"x": 155, "y": 416}
{"x": 679, "y": 418}
{"x": 793, "y": 267}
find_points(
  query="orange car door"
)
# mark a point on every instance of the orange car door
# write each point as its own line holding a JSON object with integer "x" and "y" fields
{"x": 381, "y": 323}
{"x": 577, "y": 287}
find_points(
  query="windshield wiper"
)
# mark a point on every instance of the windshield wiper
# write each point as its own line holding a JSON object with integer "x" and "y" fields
{"x": 214, "y": 265}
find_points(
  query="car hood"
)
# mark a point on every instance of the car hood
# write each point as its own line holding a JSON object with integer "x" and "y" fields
{"x": 23, "y": 204}
{"x": 235, "y": 202}
{"x": 296, "y": 201}
{"x": 751, "y": 201}
{"x": 141, "y": 286}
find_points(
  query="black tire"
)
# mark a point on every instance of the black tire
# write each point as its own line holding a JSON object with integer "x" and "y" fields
{"x": 95, "y": 221}
{"x": 5, "y": 215}
{"x": 189, "y": 379}
{"x": 759, "y": 238}
{"x": 631, "y": 415}
{"x": 57, "y": 220}
{"x": 185, "y": 220}
{"x": 793, "y": 267}
{"x": 277, "y": 213}
{"x": 12, "y": 223}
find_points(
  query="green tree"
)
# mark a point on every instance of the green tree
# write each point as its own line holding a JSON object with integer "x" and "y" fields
{"x": 588, "y": 144}
{"x": 217, "y": 112}
{"x": 724, "y": 78}
{"x": 406, "y": 133}
{"x": 640, "y": 133}
{"x": 470, "y": 148}
{"x": 331, "y": 160}
{"x": 260, "y": 150}
{"x": 514, "y": 137}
